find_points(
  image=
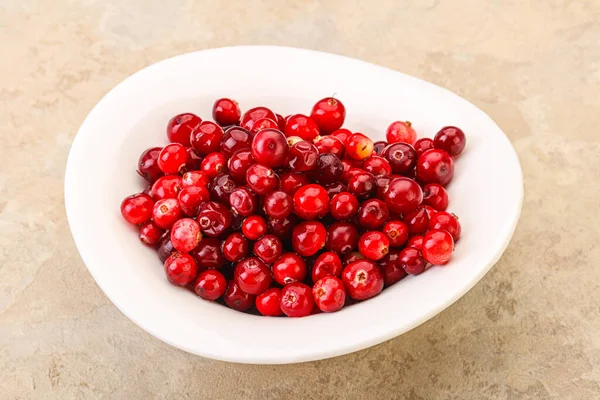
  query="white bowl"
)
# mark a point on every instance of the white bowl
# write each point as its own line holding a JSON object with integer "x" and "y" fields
{"x": 486, "y": 193}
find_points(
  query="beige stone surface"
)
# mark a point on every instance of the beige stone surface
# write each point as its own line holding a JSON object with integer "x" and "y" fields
{"x": 529, "y": 330}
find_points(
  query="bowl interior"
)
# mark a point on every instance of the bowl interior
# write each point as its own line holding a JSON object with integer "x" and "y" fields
{"x": 486, "y": 194}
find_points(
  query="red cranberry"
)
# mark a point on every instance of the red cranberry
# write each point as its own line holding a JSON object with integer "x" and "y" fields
{"x": 239, "y": 163}
{"x": 303, "y": 156}
{"x": 329, "y": 293}
{"x": 180, "y": 269}
{"x": 359, "y": 146}
{"x": 137, "y": 208}
{"x": 210, "y": 285}
{"x": 397, "y": 233}
{"x": 378, "y": 166}
{"x": 234, "y": 139}
{"x": 252, "y": 275}
{"x": 296, "y": 300}
{"x": 181, "y": 126}
{"x": 214, "y": 164}
{"x": 280, "y": 122}
{"x": 352, "y": 257}
{"x": 221, "y": 188}
{"x": 363, "y": 279}
{"x": 206, "y": 138}
{"x": 226, "y": 112}
{"x": 450, "y": 139}
{"x": 311, "y": 202}
{"x": 363, "y": 185}
{"x": 344, "y": 206}
{"x": 148, "y": 164}
{"x": 214, "y": 218}
{"x": 208, "y": 254}
{"x": 172, "y": 158}
{"x": 166, "y": 212}
{"x": 191, "y": 198}
{"x": 435, "y": 166}
{"x": 289, "y": 182}
{"x": 334, "y": 188}
{"x": 282, "y": 227}
{"x": 185, "y": 234}
{"x": 342, "y": 237}
{"x": 289, "y": 268}
{"x": 351, "y": 172}
{"x": 435, "y": 195}
{"x": 391, "y": 268}
{"x": 372, "y": 214}
{"x": 308, "y": 238}
{"x": 166, "y": 187}
{"x": 262, "y": 180}
{"x": 267, "y": 303}
{"x": 412, "y": 261}
{"x": 302, "y": 126}
{"x": 342, "y": 134}
{"x": 382, "y": 185}
{"x": 401, "y": 156}
{"x": 329, "y": 168}
{"x": 268, "y": 248}
{"x": 254, "y": 114}
{"x": 447, "y": 222}
{"x": 254, "y": 227}
{"x": 401, "y": 132}
{"x": 374, "y": 245}
{"x": 150, "y": 233}
{"x": 422, "y": 145}
{"x": 243, "y": 201}
{"x": 378, "y": 147}
{"x": 328, "y": 114}
{"x": 403, "y": 195}
{"x": 417, "y": 221}
{"x": 262, "y": 124}
{"x": 194, "y": 160}
{"x": 278, "y": 204}
{"x": 415, "y": 242}
{"x": 235, "y": 247}
{"x": 330, "y": 145}
{"x": 270, "y": 148}
{"x": 327, "y": 264}
{"x": 165, "y": 248}
{"x": 236, "y": 298}
{"x": 194, "y": 178}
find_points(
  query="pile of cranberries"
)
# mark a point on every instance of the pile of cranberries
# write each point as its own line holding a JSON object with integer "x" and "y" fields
{"x": 294, "y": 215}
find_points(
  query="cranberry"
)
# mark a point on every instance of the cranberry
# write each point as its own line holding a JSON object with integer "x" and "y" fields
{"x": 334, "y": 188}
{"x": 166, "y": 187}
{"x": 359, "y": 146}
{"x": 243, "y": 201}
{"x": 166, "y": 212}
{"x": 415, "y": 242}
{"x": 342, "y": 134}
{"x": 165, "y": 248}
{"x": 185, "y": 234}
{"x": 252, "y": 275}
{"x": 214, "y": 218}
{"x": 194, "y": 160}
{"x": 172, "y": 158}
{"x": 363, "y": 279}
{"x": 378, "y": 147}
{"x": 435, "y": 166}
{"x": 327, "y": 264}
{"x": 254, "y": 114}
{"x": 329, "y": 293}
{"x": 308, "y": 238}
{"x": 270, "y": 148}
{"x": 401, "y": 156}
{"x": 268, "y": 248}
{"x": 150, "y": 233}
{"x": 302, "y": 126}
{"x": 391, "y": 268}
{"x": 372, "y": 214}
{"x": 450, "y": 139}
{"x": 351, "y": 172}
{"x": 282, "y": 227}
{"x": 382, "y": 185}
{"x": 422, "y": 145}
{"x": 289, "y": 182}
{"x": 221, "y": 188}
{"x": 262, "y": 180}
{"x": 267, "y": 303}
{"x": 278, "y": 204}
{"x": 181, "y": 126}
{"x": 296, "y": 300}
{"x": 234, "y": 139}
{"x": 342, "y": 237}
{"x": 435, "y": 195}
{"x": 180, "y": 269}
{"x": 214, "y": 164}
{"x": 235, "y": 247}
{"x": 137, "y": 208}
{"x": 328, "y": 114}
{"x": 311, "y": 202}
{"x": 397, "y": 233}
{"x": 329, "y": 168}
{"x": 401, "y": 132}
{"x": 226, "y": 112}
{"x": 191, "y": 198}
{"x": 374, "y": 245}
{"x": 378, "y": 166}
{"x": 292, "y": 140}
{"x": 206, "y": 138}
{"x": 236, "y": 298}
{"x": 262, "y": 124}
{"x": 210, "y": 285}
{"x": 303, "y": 156}
{"x": 239, "y": 163}
{"x": 330, "y": 145}
{"x": 148, "y": 164}
{"x": 447, "y": 222}
{"x": 254, "y": 227}
{"x": 194, "y": 178}
{"x": 417, "y": 221}
{"x": 412, "y": 261}
{"x": 352, "y": 257}
{"x": 403, "y": 195}
{"x": 280, "y": 122}
{"x": 289, "y": 268}
{"x": 363, "y": 185}
{"x": 344, "y": 206}
{"x": 208, "y": 254}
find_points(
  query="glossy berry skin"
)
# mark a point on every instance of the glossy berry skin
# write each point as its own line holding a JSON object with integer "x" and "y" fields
{"x": 267, "y": 303}
{"x": 329, "y": 168}
{"x": 206, "y": 138}
{"x": 327, "y": 264}
{"x": 150, "y": 233}
{"x": 252, "y": 275}
{"x": 403, "y": 195}
{"x": 226, "y": 112}
{"x": 383, "y": 183}
{"x": 137, "y": 209}
{"x": 191, "y": 198}
{"x": 401, "y": 132}
{"x": 243, "y": 201}
{"x": 330, "y": 145}
{"x": 254, "y": 227}
{"x": 435, "y": 166}
{"x": 422, "y": 145}
{"x": 268, "y": 248}
{"x": 235, "y": 139}
{"x": 166, "y": 187}
{"x": 302, "y": 126}
{"x": 311, "y": 202}
{"x": 303, "y": 156}
{"x": 358, "y": 146}
{"x": 262, "y": 180}
{"x": 391, "y": 268}
{"x": 290, "y": 182}
{"x": 194, "y": 160}
{"x": 236, "y": 298}
{"x": 214, "y": 218}
{"x": 254, "y": 114}
{"x": 342, "y": 237}
{"x": 221, "y": 188}
{"x": 412, "y": 261}
{"x": 282, "y": 227}
{"x": 180, "y": 269}
{"x": 210, "y": 285}
{"x": 329, "y": 294}
{"x": 415, "y": 242}
{"x": 344, "y": 206}
{"x": 235, "y": 247}
{"x": 270, "y": 148}
{"x": 378, "y": 147}
{"x": 296, "y": 300}
{"x": 280, "y": 121}
{"x": 447, "y": 222}
{"x": 363, "y": 185}
{"x": 435, "y": 195}
{"x": 378, "y": 166}
{"x": 181, "y": 126}
{"x": 401, "y": 156}
{"x": 417, "y": 221}
{"x": 397, "y": 232}
{"x": 308, "y": 238}
{"x": 363, "y": 279}
{"x": 165, "y": 248}
{"x": 208, "y": 254}
{"x": 288, "y": 268}
{"x": 373, "y": 214}
{"x": 214, "y": 164}
{"x": 352, "y": 257}
{"x": 172, "y": 158}
{"x": 148, "y": 164}
{"x": 329, "y": 115}
{"x": 185, "y": 234}
{"x": 334, "y": 188}
{"x": 262, "y": 124}
{"x": 342, "y": 134}
{"x": 278, "y": 204}
{"x": 450, "y": 139}
{"x": 166, "y": 212}
{"x": 194, "y": 178}
{"x": 374, "y": 245}
{"x": 239, "y": 163}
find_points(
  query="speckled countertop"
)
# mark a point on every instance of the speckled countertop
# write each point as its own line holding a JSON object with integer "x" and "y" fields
{"x": 529, "y": 330}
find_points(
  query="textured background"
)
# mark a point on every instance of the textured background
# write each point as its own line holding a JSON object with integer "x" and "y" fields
{"x": 529, "y": 330}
